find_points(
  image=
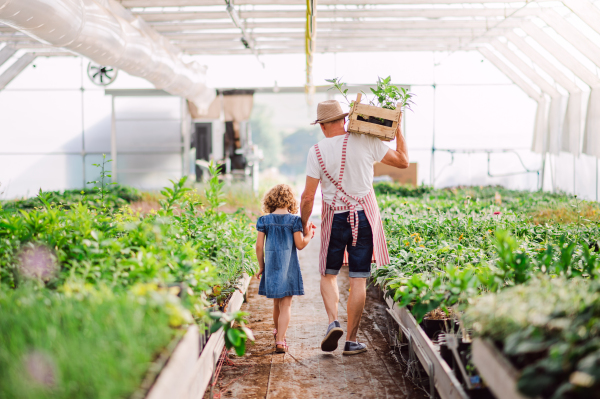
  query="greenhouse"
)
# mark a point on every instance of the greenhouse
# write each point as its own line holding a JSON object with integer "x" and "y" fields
{"x": 299, "y": 199}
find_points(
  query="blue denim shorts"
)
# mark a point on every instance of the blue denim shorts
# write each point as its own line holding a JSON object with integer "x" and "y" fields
{"x": 359, "y": 257}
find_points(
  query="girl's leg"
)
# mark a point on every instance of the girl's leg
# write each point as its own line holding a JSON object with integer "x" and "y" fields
{"x": 285, "y": 314}
{"x": 276, "y": 311}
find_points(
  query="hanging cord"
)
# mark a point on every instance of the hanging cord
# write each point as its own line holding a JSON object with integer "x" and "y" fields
{"x": 309, "y": 48}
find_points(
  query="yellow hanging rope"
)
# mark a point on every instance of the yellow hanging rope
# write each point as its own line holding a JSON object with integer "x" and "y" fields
{"x": 309, "y": 48}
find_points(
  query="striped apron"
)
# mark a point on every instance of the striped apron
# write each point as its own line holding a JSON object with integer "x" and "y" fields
{"x": 369, "y": 205}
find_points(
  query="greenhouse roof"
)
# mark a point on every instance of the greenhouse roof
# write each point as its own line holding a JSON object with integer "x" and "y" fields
{"x": 550, "y": 49}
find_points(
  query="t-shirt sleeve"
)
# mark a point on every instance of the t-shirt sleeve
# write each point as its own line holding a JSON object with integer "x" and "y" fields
{"x": 378, "y": 149}
{"x": 260, "y": 225}
{"x": 312, "y": 165}
{"x": 297, "y": 226}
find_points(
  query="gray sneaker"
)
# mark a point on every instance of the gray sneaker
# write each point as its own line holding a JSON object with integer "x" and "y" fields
{"x": 332, "y": 336}
{"x": 353, "y": 348}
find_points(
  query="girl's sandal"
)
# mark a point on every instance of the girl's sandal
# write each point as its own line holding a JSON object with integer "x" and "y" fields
{"x": 281, "y": 347}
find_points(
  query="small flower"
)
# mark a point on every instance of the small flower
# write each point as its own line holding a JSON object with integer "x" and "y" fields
{"x": 461, "y": 237}
{"x": 497, "y": 213}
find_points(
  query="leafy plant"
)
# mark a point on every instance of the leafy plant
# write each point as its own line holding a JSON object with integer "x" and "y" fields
{"x": 386, "y": 95}
{"x": 548, "y": 328}
{"x": 100, "y": 184}
{"x": 235, "y": 336}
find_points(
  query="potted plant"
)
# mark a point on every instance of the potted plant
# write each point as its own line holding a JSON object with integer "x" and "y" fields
{"x": 384, "y": 110}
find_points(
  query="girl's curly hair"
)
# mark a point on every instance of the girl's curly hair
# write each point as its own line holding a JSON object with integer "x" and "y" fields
{"x": 280, "y": 196}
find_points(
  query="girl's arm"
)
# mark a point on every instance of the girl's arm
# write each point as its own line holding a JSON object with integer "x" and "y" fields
{"x": 260, "y": 253}
{"x": 302, "y": 240}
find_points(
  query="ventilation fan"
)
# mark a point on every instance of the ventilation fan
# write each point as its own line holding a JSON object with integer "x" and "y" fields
{"x": 101, "y": 75}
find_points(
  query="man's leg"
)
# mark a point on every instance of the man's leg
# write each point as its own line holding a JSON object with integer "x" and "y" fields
{"x": 331, "y": 296}
{"x": 356, "y": 304}
{"x": 359, "y": 259}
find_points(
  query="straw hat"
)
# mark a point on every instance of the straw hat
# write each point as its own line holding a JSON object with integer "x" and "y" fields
{"x": 329, "y": 111}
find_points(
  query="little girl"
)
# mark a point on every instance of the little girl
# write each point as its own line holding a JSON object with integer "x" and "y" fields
{"x": 278, "y": 261}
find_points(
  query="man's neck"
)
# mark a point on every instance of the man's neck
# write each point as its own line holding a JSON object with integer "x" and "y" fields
{"x": 337, "y": 132}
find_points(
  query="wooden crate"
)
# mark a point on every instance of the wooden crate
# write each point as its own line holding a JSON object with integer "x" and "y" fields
{"x": 384, "y": 133}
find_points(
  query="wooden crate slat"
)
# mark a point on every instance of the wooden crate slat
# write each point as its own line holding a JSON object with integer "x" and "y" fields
{"x": 497, "y": 372}
{"x": 446, "y": 382}
{"x": 384, "y": 133}
{"x": 371, "y": 110}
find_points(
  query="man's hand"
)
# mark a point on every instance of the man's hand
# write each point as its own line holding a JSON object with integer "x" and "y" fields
{"x": 309, "y": 229}
{"x": 308, "y": 199}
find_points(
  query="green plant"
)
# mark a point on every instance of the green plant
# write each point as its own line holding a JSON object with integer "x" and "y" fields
{"x": 81, "y": 343}
{"x": 386, "y": 94}
{"x": 100, "y": 185}
{"x": 548, "y": 328}
{"x": 235, "y": 336}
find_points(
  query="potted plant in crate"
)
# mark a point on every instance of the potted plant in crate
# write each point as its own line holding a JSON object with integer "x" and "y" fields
{"x": 381, "y": 117}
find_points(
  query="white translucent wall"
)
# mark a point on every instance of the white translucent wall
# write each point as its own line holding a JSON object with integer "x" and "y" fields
{"x": 46, "y": 115}
{"x": 54, "y": 124}
{"x": 473, "y": 106}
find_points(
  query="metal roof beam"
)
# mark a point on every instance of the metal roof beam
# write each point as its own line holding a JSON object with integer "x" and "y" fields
{"x": 16, "y": 68}
{"x": 300, "y": 50}
{"x": 426, "y": 33}
{"x": 526, "y": 69}
{"x": 510, "y": 73}
{"x": 153, "y": 16}
{"x": 6, "y": 53}
{"x": 561, "y": 54}
{"x": 586, "y": 10}
{"x": 183, "y": 3}
{"x": 573, "y": 35}
{"x": 349, "y": 25}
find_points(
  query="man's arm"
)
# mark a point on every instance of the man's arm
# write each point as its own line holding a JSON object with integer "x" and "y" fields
{"x": 398, "y": 158}
{"x": 308, "y": 199}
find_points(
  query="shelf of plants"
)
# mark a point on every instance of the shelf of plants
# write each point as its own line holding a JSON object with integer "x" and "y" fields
{"x": 515, "y": 270}
{"x": 95, "y": 298}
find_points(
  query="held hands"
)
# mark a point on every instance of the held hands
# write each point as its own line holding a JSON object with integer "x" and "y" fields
{"x": 309, "y": 230}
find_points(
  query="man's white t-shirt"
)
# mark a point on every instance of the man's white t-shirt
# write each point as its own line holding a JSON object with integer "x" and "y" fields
{"x": 361, "y": 152}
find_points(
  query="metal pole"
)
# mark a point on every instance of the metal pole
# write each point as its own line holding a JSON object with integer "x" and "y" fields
{"x": 574, "y": 174}
{"x": 113, "y": 140}
{"x": 185, "y": 138}
{"x": 82, "y": 126}
{"x": 432, "y": 167}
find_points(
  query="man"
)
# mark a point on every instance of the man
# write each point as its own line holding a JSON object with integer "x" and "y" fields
{"x": 343, "y": 164}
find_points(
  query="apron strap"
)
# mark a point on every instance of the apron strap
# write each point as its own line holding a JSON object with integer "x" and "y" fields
{"x": 353, "y": 215}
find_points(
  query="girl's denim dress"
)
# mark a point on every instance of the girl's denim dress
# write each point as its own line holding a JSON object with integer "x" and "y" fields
{"x": 282, "y": 276}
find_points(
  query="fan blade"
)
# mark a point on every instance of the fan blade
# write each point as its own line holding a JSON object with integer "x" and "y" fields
{"x": 108, "y": 70}
{"x": 101, "y": 76}
{"x": 94, "y": 75}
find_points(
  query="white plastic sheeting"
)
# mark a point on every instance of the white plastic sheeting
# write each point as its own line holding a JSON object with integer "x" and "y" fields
{"x": 107, "y": 33}
{"x": 571, "y": 127}
{"x": 592, "y": 125}
{"x": 540, "y": 130}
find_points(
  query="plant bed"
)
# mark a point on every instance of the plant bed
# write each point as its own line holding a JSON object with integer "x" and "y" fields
{"x": 440, "y": 374}
{"x": 543, "y": 335}
{"x": 190, "y": 368}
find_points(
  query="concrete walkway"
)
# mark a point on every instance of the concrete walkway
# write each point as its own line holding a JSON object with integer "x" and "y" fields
{"x": 306, "y": 371}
